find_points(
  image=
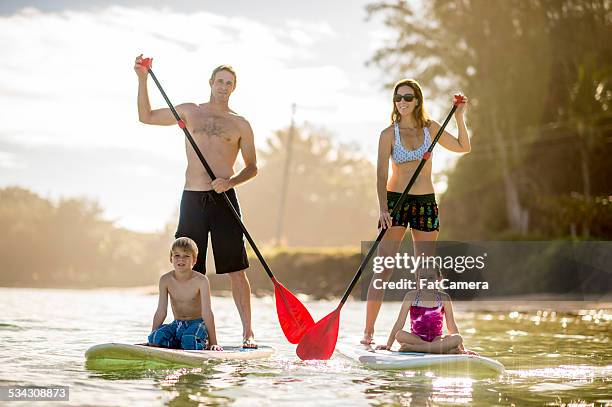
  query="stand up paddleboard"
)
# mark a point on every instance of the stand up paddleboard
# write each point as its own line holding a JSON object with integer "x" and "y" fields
{"x": 117, "y": 353}
{"x": 455, "y": 364}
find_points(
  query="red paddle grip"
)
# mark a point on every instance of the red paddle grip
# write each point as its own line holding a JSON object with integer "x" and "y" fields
{"x": 459, "y": 99}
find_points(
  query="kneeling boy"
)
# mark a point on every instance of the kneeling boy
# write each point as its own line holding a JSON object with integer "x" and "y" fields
{"x": 194, "y": 324}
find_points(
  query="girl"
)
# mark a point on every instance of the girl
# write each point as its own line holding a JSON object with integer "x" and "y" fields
{"x": 427, "y": 309}
{"x": 403, "y": 143}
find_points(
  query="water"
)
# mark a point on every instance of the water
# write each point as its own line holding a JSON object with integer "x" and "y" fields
{"x": 552, "y": 357}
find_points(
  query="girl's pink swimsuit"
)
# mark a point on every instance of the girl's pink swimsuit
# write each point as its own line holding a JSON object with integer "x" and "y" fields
{"x": 426, "y": 322}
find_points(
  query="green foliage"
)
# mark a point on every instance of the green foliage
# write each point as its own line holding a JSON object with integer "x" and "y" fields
{"x": 538, "y": 74}
{"x": 574, "y": 214}
{"x": 331, "y": 201}
{"x": 320, "y": 273}
{"x": 331, "y": 197}
{"x": 69, "y": 244}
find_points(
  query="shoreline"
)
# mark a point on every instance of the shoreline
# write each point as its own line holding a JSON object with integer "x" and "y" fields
{"x": 531, "y": 302}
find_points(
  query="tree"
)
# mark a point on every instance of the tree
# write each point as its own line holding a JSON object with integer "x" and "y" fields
{"x": 524, "y": 64}
{"x": 69, "y": 244}
{"x": 331, "y": 198}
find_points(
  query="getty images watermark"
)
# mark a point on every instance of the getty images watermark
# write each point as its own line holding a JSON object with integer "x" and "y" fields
{"x": 490, "y": 270}
{"x": 410, "y": 263}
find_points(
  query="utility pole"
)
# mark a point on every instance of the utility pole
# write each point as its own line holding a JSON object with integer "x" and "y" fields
{"x": 285, "y": 182}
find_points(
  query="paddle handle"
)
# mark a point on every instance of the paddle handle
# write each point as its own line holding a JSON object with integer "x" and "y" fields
{"x": 398, "y": 205}
{"x": 147, "y": 63}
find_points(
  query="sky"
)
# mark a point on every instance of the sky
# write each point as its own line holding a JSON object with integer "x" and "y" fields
{"x": 69, "y": 124}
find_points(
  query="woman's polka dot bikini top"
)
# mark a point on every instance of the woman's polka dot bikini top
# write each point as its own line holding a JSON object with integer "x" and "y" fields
{"x": 400, "y": 154}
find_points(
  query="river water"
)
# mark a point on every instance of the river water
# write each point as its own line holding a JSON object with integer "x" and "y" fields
{"x": 554, "y": 353}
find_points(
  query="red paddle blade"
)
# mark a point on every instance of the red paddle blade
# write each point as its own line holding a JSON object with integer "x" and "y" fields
{"x": 294, "y": 318}
{"x": 320, "y": 340}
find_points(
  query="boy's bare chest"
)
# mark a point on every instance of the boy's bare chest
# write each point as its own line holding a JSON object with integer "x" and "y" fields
{"x": 215, "y": 128}
{"x": 183, "y": 292}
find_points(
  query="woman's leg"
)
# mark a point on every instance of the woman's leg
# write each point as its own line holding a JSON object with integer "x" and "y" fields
{"x": 389, "y": 246}
{"x": 424, "y": 242}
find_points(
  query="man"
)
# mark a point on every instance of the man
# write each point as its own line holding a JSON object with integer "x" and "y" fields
{"x": 220, "y": 134}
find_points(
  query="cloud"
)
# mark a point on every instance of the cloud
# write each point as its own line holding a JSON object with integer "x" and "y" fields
{"x": 67, "y": 76}
{"x": 307, "y": 33}
{"x": 139, "y": 190}
{"x": 9, "y": 161}
{"x": 319, "y": 28}
{"x": 68, "y": 94}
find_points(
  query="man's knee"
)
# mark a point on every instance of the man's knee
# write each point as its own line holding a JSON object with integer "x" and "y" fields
{"x": 238, "y": 277}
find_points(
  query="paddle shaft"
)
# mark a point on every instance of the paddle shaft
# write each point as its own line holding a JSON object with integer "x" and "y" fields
{"x": 212, "y": 176}
{"x": 397, "y": 207}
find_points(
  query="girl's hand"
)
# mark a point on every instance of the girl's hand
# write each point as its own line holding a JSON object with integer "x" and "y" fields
{"x": 384, "y": 219}
{"x": 382, "y": 347}
{"x": 461, "y": 107}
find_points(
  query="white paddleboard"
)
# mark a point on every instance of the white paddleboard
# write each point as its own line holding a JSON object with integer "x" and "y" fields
{"x": 446, "y": 363}
{"x": 110, "y": 352}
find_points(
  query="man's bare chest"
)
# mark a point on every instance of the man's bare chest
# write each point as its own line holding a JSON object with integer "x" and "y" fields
{"x": 215, "y": 128}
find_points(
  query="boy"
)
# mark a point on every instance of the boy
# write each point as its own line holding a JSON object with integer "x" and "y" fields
{"x": 194, "y": 324}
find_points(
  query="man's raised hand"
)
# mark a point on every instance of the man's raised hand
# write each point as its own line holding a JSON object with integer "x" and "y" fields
{"x": 140, "y": 68}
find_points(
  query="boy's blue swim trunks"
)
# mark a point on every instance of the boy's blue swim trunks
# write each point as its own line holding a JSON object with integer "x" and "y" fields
{"x": 191, "y": 335}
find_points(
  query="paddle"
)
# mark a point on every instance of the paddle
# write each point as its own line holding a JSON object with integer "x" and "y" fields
{"x": 294, "y": 318}
{"x": 320, "y": 340}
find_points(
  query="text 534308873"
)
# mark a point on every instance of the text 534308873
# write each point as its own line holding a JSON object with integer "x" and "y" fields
{"x": 34, "y": 393}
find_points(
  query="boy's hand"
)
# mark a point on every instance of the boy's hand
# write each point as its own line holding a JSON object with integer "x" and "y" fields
{"x": 215, "y": 347}
{"x": 383, "y": 347}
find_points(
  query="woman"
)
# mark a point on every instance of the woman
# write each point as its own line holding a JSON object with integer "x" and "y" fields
{"x": 404, "y": 142}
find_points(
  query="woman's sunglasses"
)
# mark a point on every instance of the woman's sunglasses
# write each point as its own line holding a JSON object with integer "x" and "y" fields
{"x": 408, "y": 97}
